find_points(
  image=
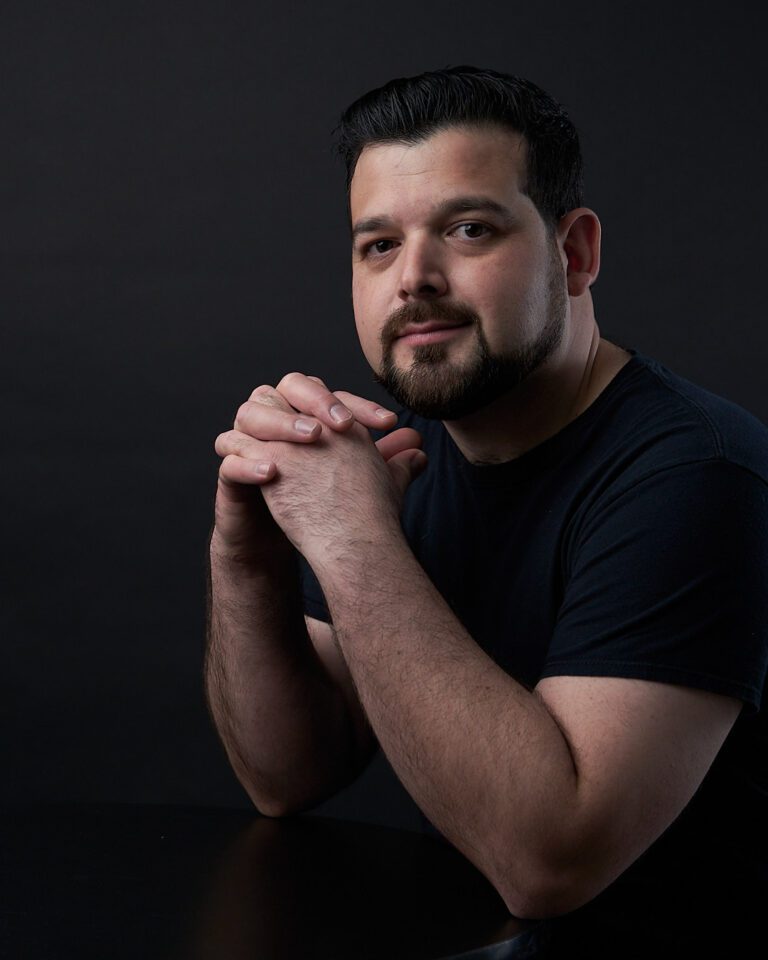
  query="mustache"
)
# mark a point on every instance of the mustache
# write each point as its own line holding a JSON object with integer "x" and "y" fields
{"x": 424, "y": 312}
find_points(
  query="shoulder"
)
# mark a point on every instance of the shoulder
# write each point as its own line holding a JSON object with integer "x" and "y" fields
{"x": 652, "y": 421}
{"x": 703, "y": 417}
{"x": 679, "y": 419}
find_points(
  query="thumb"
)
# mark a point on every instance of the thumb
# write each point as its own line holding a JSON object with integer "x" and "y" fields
{"x": 405, "y": 467}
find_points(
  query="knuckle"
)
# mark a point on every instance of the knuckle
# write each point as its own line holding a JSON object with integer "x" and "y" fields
{"x": 221, "y": 442}
{"x": 226, "y": 467}
{"x": 260, "y": 391}
{"x": 322, "y": 405}
{"x": 273, "y": 400}
{"x": 289, "y": 379}
{"x": 238, "y": 444}
{"x": 241, "y": 415}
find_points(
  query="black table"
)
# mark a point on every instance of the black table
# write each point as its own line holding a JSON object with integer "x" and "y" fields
{"x": 108, "y": 881}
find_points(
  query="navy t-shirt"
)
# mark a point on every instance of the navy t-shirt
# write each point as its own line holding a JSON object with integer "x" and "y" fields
{"x": 632, "y": 543}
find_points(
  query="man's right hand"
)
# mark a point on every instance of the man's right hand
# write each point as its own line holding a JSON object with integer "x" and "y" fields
{"x": 295, "y": 411}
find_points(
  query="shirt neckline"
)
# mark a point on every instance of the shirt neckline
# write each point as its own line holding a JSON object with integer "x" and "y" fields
{"x": 533, "y": 461}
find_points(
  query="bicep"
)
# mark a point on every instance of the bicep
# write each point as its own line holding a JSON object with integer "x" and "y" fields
{"x": 641, "y": 749}
{"x": 323, "y": 640}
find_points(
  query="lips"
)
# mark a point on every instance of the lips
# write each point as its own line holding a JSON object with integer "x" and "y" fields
{"x": 430, "y": 327}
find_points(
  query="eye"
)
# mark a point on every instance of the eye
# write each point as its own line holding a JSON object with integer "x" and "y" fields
{"x": 473, "y": 226}
{"x": 374, "y": 249}
{"x": 376, "y": 246}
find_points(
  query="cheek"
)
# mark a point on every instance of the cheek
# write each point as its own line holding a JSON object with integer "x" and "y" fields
{"x": 508, "y": 302}
{"x": 495, "y": 291}
{"x": 367, "y": 330}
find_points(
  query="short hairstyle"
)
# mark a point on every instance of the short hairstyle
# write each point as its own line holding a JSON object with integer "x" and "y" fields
{"x": 410, "y": 109}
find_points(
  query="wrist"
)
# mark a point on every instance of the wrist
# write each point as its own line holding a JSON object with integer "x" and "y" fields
{"x": 355, "y": 568}
{"x": 248, "y": 559}
{"x": 267, "y": 571}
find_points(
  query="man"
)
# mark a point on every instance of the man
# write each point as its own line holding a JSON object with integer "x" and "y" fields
{"x": 552, "y": 618}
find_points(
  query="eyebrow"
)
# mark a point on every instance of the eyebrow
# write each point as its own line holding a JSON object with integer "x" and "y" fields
{"x": 445, "y": 209}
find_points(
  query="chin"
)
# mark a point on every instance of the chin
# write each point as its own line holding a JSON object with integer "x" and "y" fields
{"x": 435, "y": 397}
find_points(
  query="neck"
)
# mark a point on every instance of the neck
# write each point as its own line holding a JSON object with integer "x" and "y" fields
{"x": 558, "y": 392}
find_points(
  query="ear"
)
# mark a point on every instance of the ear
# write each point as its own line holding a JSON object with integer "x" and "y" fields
{"x": 578, "y": 235}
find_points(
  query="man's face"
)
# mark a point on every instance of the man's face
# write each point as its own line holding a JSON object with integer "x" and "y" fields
{"x": 445, "y": 237}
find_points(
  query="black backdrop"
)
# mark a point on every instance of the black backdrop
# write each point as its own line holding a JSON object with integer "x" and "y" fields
{"x": 173, "y": 234}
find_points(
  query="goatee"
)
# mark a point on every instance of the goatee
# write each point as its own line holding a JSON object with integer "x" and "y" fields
{"x": 439, "y": 389}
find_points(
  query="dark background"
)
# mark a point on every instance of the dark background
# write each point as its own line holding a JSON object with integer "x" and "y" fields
{"x": 173, "y": 234}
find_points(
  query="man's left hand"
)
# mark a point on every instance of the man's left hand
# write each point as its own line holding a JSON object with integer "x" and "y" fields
{"x": 339, "y": 489}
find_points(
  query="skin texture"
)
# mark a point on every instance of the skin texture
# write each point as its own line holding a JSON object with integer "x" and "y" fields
{"x": 510, "y": 289}
{"x": 504, "y": 273}
{"x": 552, "y": 793}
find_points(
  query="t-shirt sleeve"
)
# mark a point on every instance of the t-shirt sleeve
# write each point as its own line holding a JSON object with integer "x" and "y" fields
{"x": 668, "y": 581}
{"x": 314, "y": 601}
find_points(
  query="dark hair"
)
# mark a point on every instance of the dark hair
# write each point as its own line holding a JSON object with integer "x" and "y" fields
{"x": 410, "y": 109}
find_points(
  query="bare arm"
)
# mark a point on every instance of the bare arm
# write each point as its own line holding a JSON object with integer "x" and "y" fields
{"x": 278, "y": 688}
{"x": 552, "y": 793}
{"x": 280, "y": 696}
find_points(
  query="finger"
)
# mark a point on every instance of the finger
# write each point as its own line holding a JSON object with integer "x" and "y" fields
{"x": 404, "y": 467}
{"x": 405, "y": 438}
{"x": 235, "y": 443}
{"x": 266, "y": 420}
{"x": 309, "y": 396}
{"x": 236, "y": 470}
{"x": 270, "y": 397}
{"x": 368, "y": 412}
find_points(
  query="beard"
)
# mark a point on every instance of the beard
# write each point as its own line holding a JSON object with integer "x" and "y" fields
{"x": 439, "y": 389}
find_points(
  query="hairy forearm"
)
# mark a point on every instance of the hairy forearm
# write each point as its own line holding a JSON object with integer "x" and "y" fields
{"x": 479, "y": 753}
{"x": 282, "y": 721}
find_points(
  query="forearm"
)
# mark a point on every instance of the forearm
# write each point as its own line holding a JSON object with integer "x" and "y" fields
{"x": 479, "y": 753}
{"x": 282, "y": 721}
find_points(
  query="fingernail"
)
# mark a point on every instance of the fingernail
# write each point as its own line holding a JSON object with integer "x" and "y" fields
{"x": 381, "y": 412}
{"x": 262, "y": 469}
{"x": 304, "y": 426}
{"x": 340, "y": 413}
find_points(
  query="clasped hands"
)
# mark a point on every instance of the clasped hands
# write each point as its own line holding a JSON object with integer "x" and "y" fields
{"x": 309, "y": 454}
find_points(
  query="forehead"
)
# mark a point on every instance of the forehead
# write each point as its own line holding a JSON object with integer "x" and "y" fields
{"x": 487, "y": 160}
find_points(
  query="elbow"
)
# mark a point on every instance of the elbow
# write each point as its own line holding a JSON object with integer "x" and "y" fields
{"x": 273, "y": 810}
{"x": 554, "y": 872}
{"x": 544, "y": 901}
{"x": 272, "y": 807}
{"x": 265, "y": 804}
{"x": 543, "y": 892}
{"x": 282, "y": 801}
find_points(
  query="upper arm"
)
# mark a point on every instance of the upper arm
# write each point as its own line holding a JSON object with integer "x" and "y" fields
{"x": 640, "y": 749}
{"x": 655, "y": 581}
{"x": 655, "y": 591}
{"x": 323, "y": 640}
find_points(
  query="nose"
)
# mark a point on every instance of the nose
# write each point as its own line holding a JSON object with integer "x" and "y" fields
{"x": 422, "y": 272}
